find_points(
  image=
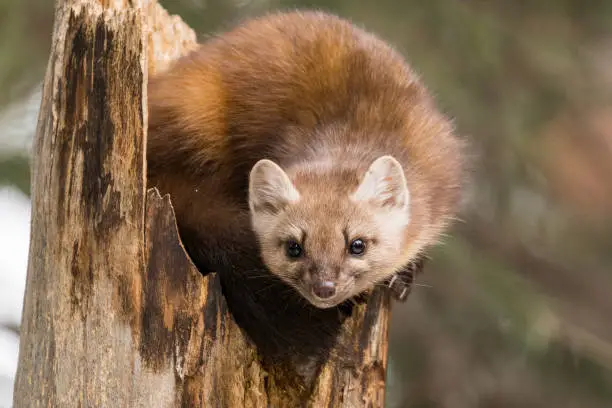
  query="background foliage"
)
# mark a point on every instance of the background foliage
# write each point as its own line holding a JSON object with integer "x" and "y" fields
{"x": 514, "y": 307}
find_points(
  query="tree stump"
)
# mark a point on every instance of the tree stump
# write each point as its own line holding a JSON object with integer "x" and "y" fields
{"x": 115, "y": 314}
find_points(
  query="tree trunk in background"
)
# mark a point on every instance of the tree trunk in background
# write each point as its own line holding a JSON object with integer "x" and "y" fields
{"x": 115, "y": 315}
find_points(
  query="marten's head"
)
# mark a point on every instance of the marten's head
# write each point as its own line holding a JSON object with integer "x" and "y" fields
{"x": 327, "y": 241}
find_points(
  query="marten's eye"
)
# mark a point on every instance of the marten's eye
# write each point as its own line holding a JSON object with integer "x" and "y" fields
{"x": 293, "y": 249}
{"x": 357, "y": 247}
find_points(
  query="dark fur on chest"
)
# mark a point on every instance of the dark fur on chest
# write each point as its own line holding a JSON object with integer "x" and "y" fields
{"x": 281, "y": 323}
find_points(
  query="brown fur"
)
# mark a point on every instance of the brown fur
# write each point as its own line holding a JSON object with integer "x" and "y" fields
{"x": 320, "y": 98}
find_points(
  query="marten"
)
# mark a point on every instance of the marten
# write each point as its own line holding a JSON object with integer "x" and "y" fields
{"x": 306, "y": 163}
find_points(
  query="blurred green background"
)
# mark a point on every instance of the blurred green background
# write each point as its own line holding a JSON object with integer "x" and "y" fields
{"x": 515, "y": 308}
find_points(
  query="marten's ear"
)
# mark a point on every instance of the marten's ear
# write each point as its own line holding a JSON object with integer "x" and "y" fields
{"x": 270, "y": 189}
{"x": 384, "y": 185}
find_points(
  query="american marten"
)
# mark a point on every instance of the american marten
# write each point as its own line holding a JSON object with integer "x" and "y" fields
{"x": 306, "y": 163}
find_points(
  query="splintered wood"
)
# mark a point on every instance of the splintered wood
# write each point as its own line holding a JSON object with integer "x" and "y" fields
{"x": 115, "y": 314}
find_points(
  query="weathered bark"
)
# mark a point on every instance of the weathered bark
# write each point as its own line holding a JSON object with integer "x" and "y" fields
{"x": 115, "y": 314}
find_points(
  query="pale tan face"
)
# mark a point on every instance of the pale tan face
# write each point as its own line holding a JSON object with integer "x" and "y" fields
{"x": 331, "y": 247}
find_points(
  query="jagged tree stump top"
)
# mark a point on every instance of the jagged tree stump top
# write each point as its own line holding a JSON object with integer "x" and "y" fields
{"x": 115, "y": 314}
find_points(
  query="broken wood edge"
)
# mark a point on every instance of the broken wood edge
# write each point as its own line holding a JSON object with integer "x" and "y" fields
{"x": 341, "y": 382}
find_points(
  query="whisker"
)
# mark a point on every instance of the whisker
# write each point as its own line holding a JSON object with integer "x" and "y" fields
{"x": 262, "y": 277}
{"x": 265, "y": 288}
{"x": 413, "y": 284}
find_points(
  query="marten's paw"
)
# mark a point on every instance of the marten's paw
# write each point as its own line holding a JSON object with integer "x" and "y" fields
{"x": 401, "y": 283}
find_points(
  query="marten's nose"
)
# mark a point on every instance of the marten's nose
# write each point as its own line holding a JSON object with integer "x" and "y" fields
{"x": 324, "y": 289}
